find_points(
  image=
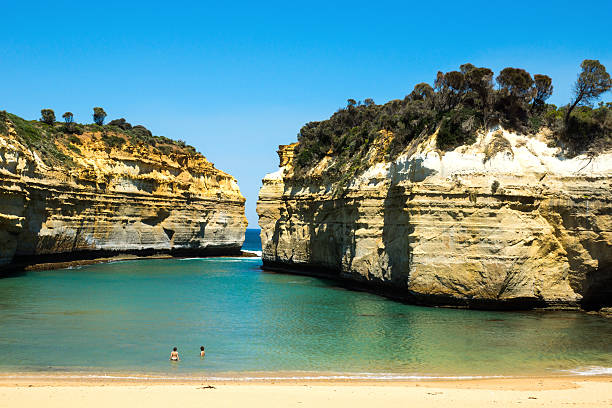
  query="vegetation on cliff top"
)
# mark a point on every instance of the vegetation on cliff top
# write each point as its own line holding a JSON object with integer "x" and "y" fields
{"x": 460, "y": 104}
{"x": 46, "y": 136}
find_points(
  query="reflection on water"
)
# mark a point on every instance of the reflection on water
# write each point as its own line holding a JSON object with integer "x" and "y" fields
{"x": 125, "y": 317}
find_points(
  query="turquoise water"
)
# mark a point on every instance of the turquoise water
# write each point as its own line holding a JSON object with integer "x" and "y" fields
{"x": 124, "y": 317}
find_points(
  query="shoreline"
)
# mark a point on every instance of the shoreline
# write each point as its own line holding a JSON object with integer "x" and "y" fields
{"x": 288, "y": 377}
{"x": 528, "y": 381}
{"x": 550, "y": 392}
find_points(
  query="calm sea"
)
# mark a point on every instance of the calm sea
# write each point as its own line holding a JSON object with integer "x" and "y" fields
{"x": 124, "y": 318}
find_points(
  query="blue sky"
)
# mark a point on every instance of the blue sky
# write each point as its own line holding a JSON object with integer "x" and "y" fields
{"x": 236, "y": 79}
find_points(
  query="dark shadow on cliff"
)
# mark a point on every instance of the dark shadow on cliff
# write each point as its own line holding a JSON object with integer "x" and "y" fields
{"x": 599, "y": 289}
{"x": 332, "y": 232}
{"x": 396, "y": 232}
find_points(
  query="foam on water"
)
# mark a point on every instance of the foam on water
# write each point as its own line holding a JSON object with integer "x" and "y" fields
{"x": 594, "y": 370}
{"x": 252, "y": 377}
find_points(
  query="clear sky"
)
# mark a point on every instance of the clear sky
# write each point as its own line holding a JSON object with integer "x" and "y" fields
{"x": 236, "y": 79}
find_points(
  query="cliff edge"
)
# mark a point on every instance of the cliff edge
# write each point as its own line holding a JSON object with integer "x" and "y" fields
{"x": 97, "y": 190}
{"x": 507, "y": 221}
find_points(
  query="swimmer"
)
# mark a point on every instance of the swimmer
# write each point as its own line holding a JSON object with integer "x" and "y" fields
{"x": 174, "y": 355}
{"x": 202, "y": 352}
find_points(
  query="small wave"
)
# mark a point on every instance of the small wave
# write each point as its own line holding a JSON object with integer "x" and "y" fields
{"x": 327, "y": 377}
{"x": 222, "y": 259}
{"x": 358, "y": 377}
{"x": 593, "y": 370}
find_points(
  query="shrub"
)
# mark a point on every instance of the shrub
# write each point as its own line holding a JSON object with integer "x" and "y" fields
{"x": 74, "y": 148}
{"x": 142, "y": 132}
{"x": 494, "y": 186}
{"x": 587, "y": 125}
{"x": 165, "y": 149}
{"x": 120, "y": 123}
{"x": 456, "y": 128}
{"x": 113, "y": 140}
{"x": 3, "y": 123}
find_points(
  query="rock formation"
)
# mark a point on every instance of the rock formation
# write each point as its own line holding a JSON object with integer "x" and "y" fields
{"x": 106, "y": 199}
{"x": 507, "y": 222}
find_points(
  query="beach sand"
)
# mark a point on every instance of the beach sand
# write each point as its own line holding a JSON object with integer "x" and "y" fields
{"x": 105, "y": 393}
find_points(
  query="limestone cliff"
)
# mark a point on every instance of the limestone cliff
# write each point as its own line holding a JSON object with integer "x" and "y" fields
{"x": 505, "y": 222}
{"x": 101, "y": 198}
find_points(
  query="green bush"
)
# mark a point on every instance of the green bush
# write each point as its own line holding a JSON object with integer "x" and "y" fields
{"x": 47, "y": 116}
{"x": 3, "y": 123}
{"x": 457, "y": 128}
{"x": 587, "y": 125}
{"x": 74, "y": 148}
{"x": 113, "y": 140}
{"x": 165, "y": 149}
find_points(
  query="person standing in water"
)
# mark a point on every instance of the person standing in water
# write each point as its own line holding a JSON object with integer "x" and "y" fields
{"x": 202, "y": 352}
{"x": 174, "y": 355}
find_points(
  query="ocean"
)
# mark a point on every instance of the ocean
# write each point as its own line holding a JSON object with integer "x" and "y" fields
{"x": 123, "y": 318}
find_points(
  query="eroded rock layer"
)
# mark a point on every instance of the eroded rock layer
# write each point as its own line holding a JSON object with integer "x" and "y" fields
{"x": 127, "y": 198}
{"x": 517, "y": 227}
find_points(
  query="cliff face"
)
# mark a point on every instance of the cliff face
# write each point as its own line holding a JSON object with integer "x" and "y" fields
{"x": 127, "y": 198}
{"x": 505, "y": 222}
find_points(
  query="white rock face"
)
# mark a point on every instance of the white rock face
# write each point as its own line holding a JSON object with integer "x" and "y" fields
{"x": 505, "y": 222}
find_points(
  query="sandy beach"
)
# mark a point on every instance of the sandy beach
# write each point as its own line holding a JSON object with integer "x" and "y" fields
{"x": 510, "y": 392}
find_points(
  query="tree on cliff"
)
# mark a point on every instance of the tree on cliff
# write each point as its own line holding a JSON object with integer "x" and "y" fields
{"x": 68, "y": 117}
{"x": 99, "y": 115}
{"x": 422, "y": 92}
{"x": 591, "y": 83}
{"x": 515, "y": 92}
{"x": 47, "y": 116}
{"x": 515, "y": 81}
{"x": 69, "y": 126}
{"x": 449, "y": 87}
{"x": 479, "y": 82}
{"x": 543, "y": 89}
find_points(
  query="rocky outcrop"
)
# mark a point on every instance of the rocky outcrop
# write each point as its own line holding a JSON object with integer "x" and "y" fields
{"x": 130, "y": 198}
{"x": 507, "y": 222}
